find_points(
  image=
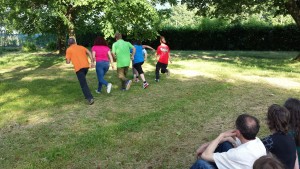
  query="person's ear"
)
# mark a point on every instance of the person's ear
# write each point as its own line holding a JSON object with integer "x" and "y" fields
{"x": 238, "y": 133}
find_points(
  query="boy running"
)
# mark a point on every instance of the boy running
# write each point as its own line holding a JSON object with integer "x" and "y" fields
{"x": 138, "y": 60}
{"x": 163, "y": 57}
{"x": 121, "y": 50}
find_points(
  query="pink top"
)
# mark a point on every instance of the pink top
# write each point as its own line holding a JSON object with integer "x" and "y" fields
{"x": 101, "y": 53}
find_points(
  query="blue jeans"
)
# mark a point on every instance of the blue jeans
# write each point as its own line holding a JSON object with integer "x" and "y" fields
{"x": 202, "y": 164}
{"x": 101, "y": 69}
{"x": 83, "y": 84}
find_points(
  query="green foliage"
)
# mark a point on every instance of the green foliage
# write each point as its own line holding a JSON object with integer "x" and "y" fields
{"x": 244, "y": 8}
{"x": 179, "y": 16}
{"x": 134, "y": 18}
{"x": 29, "y": 47}
{"x": 213, "y": 24}
{"x": 51, "y": 46}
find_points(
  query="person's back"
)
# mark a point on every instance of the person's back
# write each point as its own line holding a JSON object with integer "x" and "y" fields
{"x": 280, "y": 143}
{"x": 77, "y": 55}
{"x": 101, "y": 52}
{"x": 283, "y": 147}
{"x": 122, "y": 50}
{"x": 242, "y": 156}
{"x": 163, "y": 51}
{"x": 139, "y": 55}
{"x": 293, "y": 105}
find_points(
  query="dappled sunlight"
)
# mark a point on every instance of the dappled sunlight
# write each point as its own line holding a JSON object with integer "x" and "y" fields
{"x": 194, "y": 68}
{"x": 193, "y": 73}
{"x": 39, "y": 118}
{"x": 285, "y": 83}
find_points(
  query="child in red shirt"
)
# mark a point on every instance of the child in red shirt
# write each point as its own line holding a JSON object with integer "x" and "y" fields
{"x": 163, "y": 52}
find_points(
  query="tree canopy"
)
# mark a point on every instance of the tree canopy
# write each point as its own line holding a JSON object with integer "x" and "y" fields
{"x": 231, "y": 8}
{"x": 66, "y": 17}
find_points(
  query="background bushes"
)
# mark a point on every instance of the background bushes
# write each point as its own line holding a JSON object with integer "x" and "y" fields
{"x": 234, "y": 38}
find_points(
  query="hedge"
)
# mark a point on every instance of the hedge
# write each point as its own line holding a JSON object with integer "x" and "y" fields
{"x": 230, "y": 38}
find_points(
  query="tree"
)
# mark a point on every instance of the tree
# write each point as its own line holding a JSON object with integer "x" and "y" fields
{"x": 179, "y": 16}
{"x": 231, "y": 8}
{"x": 65, "y": 17}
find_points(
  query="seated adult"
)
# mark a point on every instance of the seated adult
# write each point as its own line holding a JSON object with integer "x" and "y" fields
{"x": 280, "y": 143}
{"x": 245, "y": 149}
{"x": 268, "y": 162}
{"x": 293, "y": 105}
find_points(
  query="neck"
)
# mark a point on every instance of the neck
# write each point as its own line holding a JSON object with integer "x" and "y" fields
{"x": 243, "y": 140}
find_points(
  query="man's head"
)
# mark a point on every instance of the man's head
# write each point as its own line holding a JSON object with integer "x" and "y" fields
{"x": 118, "y": 36}
{"x": 71, "y": 41}
{"x": 248, "y": 126}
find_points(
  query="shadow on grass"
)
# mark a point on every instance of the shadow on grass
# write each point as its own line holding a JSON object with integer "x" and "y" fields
{"x": 170, "y": 106}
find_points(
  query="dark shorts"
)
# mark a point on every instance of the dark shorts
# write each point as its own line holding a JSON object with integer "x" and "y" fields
{"x": 138, "y": 67}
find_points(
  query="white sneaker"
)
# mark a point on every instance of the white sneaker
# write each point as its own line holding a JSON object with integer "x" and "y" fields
{"x": 109, "y": 85}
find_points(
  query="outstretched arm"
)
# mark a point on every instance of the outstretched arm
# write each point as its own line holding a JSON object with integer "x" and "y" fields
{"x": 148, "y": 47}
{"x": 111, "y": 60}
{"x": 133, "y": 52}
{"x": 91, "y": 58}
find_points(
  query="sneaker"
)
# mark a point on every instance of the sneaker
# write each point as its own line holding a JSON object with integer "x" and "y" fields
{"x": 136, "y": 80}
{"x": 109, "y": 85}
{"x": 97, "y": 91}
{"x": 168, "y": 72}
{"x": 145, "y": 85}
{"x": 128, "y": 83}
{"x": 157, "y": 80}
{"x": 91, "y": 101}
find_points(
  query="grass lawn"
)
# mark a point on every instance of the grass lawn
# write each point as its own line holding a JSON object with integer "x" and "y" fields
{"x": 46, "y": 123}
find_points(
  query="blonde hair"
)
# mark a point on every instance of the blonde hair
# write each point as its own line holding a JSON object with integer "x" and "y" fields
{"x": 118, "y": 35}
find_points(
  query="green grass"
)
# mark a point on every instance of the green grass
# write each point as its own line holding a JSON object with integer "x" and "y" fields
{"x": 46, "y": 123}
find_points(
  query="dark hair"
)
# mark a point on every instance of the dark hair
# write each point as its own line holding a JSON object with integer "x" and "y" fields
{"x": 138, "y": 42}
{"x": 71, "y": 41}
{"x": 293, "y": 105}
{"x": 100, "y": 41}
{"x": 278, "y": 118}
{"x": 268, "y": 162}
{"x": 162, "y": 39}
{"x": 248, "y": 126}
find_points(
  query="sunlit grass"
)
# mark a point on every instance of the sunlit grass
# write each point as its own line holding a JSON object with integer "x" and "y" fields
{"x": 46, "y": 123}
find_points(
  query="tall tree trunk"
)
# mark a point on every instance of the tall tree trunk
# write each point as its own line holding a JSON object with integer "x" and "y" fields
{"x": 294, "y": 11}
{"x": 61, "y": 40}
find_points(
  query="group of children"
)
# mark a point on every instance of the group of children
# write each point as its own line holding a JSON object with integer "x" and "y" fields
{"x": 123, "y": 52}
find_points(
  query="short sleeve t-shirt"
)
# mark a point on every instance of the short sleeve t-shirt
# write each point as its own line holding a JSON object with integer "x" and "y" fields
{"x": 241, "y": 157}
{"x": 139, "y": 54}
{"x": 101, "y": 53}
{"x": 121, "y": 49}
{"x": 283, "y": 147}
{"x": 77, "y": 55}
{"x": 163, "y": 52}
